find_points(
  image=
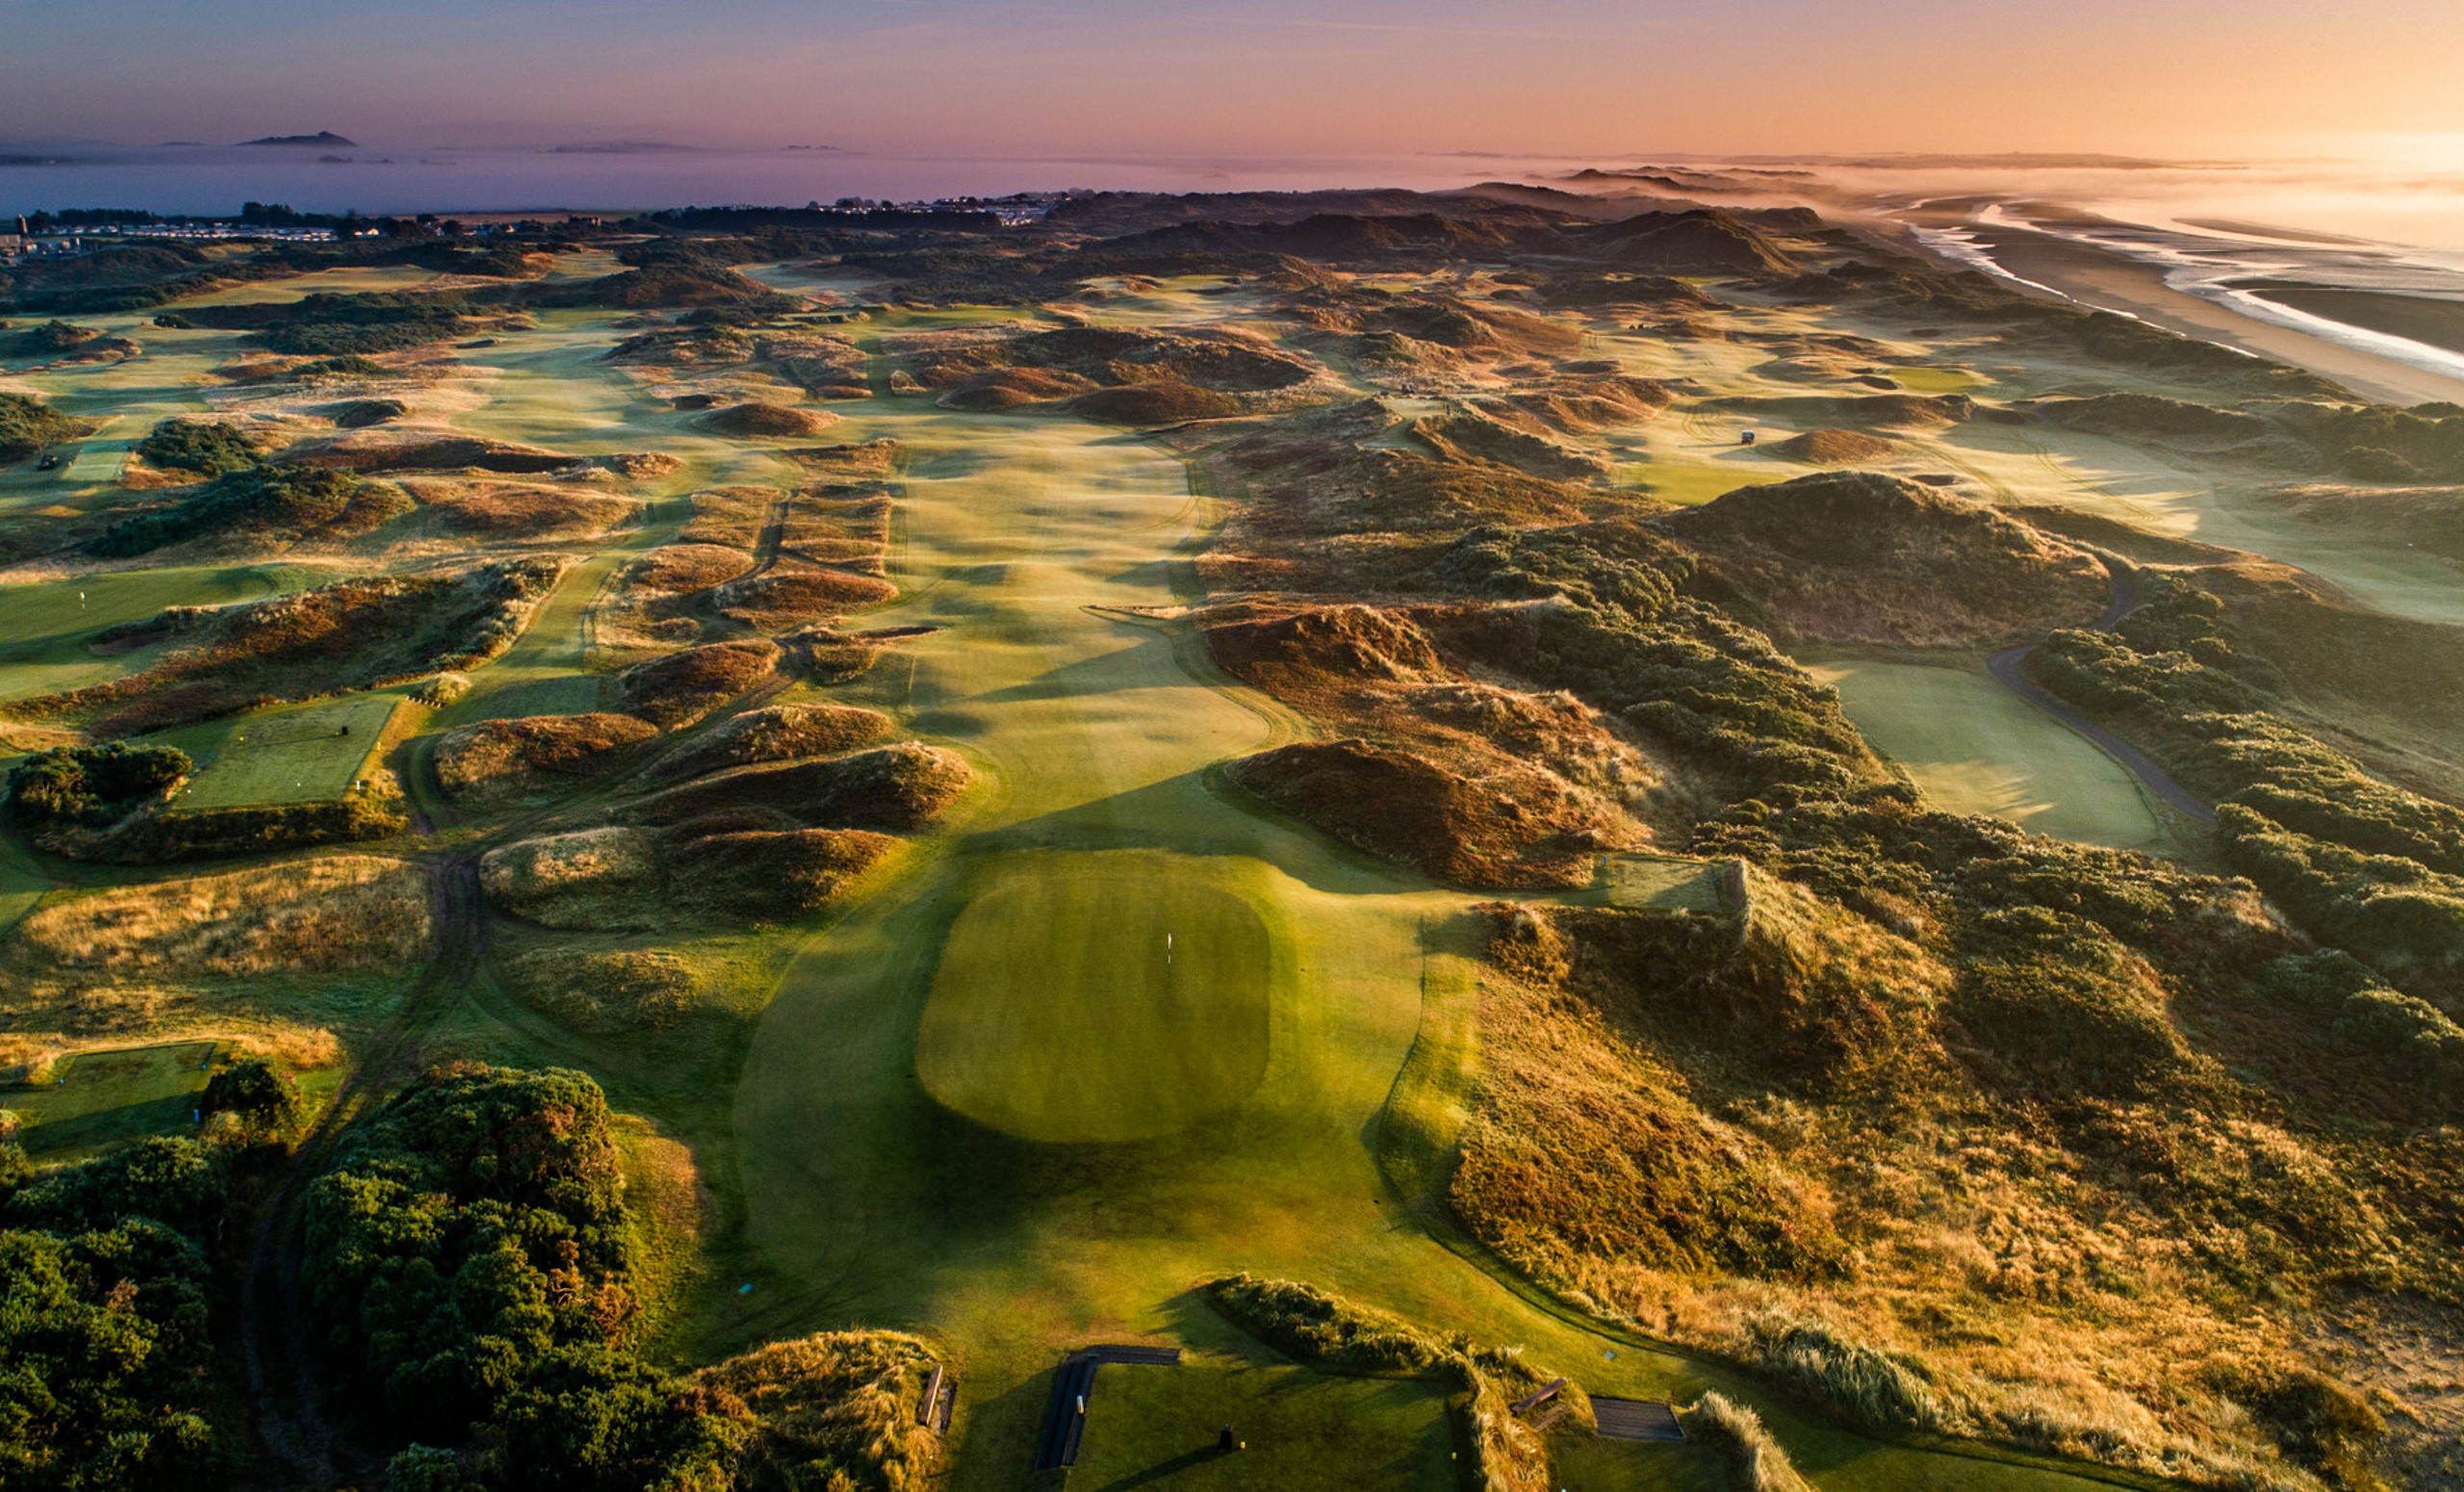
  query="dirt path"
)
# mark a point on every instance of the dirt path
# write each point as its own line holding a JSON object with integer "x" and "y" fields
{"x": 285, "y": 1400}
{"x": 2009, "y": 666}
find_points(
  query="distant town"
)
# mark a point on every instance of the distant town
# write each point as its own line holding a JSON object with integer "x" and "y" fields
{"x": 70, "y": 231}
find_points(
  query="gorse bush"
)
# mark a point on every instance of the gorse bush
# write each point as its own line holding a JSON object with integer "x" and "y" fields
{"x": 90, "y": 786}
{"x": 1316, "y": 1326}
{"x": 208, "y": 447}
{"x": 106, "y": 1347}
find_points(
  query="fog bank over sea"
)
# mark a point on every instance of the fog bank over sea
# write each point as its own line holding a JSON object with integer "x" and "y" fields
{"x": 2218, "y": 231}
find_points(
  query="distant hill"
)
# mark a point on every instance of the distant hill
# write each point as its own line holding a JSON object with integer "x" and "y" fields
{"x": 322, "y": 138}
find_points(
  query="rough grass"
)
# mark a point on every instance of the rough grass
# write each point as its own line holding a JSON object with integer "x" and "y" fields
{"x": 1754, "y": 1460}
{"x": 591, "y": 878}
{"x": 1520, "y": 827}
{"x": 323, "y": 914}
{"x": 770, "y": 421}
{"x": 503, "y": 510}
{"x": 683, "y": 688}
{"x": 775, "y": 732}
{"x": 502, "y": 759}
{"x": 890, "y": 788}
{"x": 629, "y": 989}
{"x": 833, "y": 1410}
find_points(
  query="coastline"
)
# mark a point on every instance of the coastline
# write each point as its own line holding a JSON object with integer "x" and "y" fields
{"x": 2114, "y": 282}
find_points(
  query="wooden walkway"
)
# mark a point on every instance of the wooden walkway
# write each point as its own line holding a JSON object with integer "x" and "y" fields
{"x": 1064, "y": 1419}
{"x": 1636, "y": 1419}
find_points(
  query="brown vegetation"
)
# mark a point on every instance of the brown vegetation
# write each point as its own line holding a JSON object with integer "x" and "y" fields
{"x": 769, "y": 421}
{"x": 775, "y": 732}
{"x": 893, "y": 787}
{"x": 400, "y": 450}
{"x": 682, "y": 688}
{"x": 1865, "y": 557}
{"x": 324, "y": 915}
{"x": 1518, "y": 827}
{"x": 1835, "y": 448}
{"x": 505, "y": 758}
{"x": 351, "y": 635}
{"x": 510, "y": 511}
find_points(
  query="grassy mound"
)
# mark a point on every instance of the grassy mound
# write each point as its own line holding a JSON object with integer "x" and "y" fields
{"x": 1522, "y": 827}
{"x": 601, "y": 992}
{"x": 591, "y": 877}
{"x": 27, "y": 425}
{"x": 503, "y": 758}
{"x": 327, "y": 914}
{"x": 1156, "y": 404}
{"x": 1572, "y": 405}
{"x": 776, "y": 733}
{"x": 773, "y": 422}
{"x": 1009, "y": 388}
{"x": 504, "y": 510}
{"x": 770, "y": 875}
{"x": 2428, "y": 518}
{"x": 682, "y": 688}
{"x": 365, "y": 413}
{"x": 2148, "y": 414}
{"x": 683, "y": 567}
{"x": 1835, "y": 448}
{"x": 622, "y": 877}
{"x": 785, "y": 596}
{"x": 1756, "y": 1461}
{"x": 352, "y": 634}
{"x": 1587, "y": 1151}
{"x": 1867, "y": 558}
{"x": 832, "y": 1411}
{"x": 1698, "y": 242}
{"x": 258, "y": 504}
{"x": 1098, "y": 998}
{"x": 407, "y": 451}
{"x": 1479, "y": 438}
{"x": 893, "y": 787}
{"x": 1314, "y": 1326}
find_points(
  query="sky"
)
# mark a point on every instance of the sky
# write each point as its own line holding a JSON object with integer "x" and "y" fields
{"x": 1278, "y": 78}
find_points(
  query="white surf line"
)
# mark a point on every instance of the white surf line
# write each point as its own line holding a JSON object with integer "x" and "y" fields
{"x": 2194, "y": 277}
{"x": 1960, "y": 246}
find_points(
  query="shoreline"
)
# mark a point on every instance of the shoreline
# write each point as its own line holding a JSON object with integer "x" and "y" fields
{"x": 2109, "y": 281}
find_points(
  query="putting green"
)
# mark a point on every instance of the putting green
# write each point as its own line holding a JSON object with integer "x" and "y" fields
{"x": 1974, "y": 747}
{"x": 1157, "y": 1427}
{"x": 1101, "y": 995}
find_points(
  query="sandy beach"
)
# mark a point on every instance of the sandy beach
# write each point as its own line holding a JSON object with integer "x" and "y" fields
{"x": 2097, "y": 277}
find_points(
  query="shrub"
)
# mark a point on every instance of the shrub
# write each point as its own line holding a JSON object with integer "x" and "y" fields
{"x": 1314, "y": 1326}
{"x": 209, "y": 447}
{"x": 91, "y": 786}
{"x": 104, "y": 1322}
{"x": 28, "y": 424}
{"x": 262, "y": 1097}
